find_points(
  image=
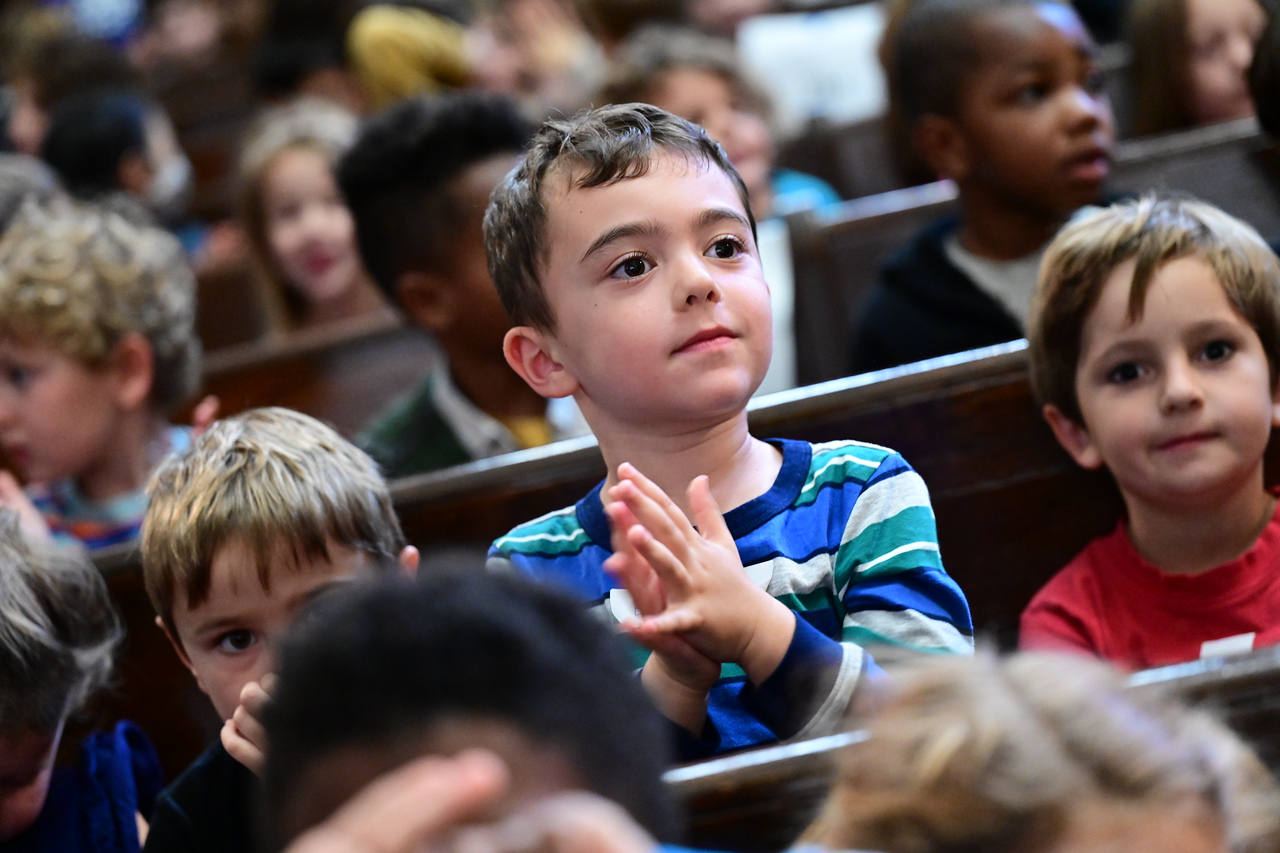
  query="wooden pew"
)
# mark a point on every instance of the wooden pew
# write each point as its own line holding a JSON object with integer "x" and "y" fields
{"x": 761, "y": 800}
{"x": 837, "y": 253}
{"x": 342, "y": 374}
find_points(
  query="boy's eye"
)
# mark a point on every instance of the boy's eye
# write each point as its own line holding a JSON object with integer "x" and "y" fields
{"x": 1125, "y": 372}
{"x": 1217, "y": 350}
{"x": 1032, "y": 94}
{"x": 726, "y": 247}
{"x": 632, "y": 267}
{"x": 1094, "y": 83}
{"x": 234, "y": 642}
{"x": 18, "y": 377}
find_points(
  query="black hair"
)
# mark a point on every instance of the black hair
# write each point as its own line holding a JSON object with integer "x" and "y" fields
{"x": 382, "y": 662}
{"x": 396, "y": 177}
{"x": 1264, "y": 72}
{"x": 89, "y": 135}
{"x": 933, "y": 52}
{"x": 65, "y": 65}
{"x": 281, "y": 64}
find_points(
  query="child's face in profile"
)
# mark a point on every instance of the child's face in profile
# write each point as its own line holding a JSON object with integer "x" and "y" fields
{"x": 58, "y": 417}
{"x": 662, "y": 313}
{"x": 709, "y": 100}
{"x": 1178, "y": 404}
{"x": 309, "y": 229}
{"x": 1035, "y": 127}
{"x": 26, "y": 766}
{"x": 1221, "y": 35}
{"x": 227, "y": 640}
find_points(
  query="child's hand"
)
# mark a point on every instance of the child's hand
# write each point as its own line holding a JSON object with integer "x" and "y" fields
{"x": 677, "y": 676}
{"x": 243, "y": 736}
{"x": 411, "y": 808}
{"x": 571, "y": 822}
{"x": 205, "y": 413}
{"x": 710, "y": 601}
{"x": 13, "y": 498}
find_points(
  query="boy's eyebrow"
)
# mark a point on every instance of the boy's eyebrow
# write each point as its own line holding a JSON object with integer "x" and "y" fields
{"x": 621, "y": 232}
{"x": 710, "y": 216}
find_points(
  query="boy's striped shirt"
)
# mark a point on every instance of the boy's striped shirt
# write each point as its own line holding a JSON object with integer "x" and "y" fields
{"x": 845, "y": 538}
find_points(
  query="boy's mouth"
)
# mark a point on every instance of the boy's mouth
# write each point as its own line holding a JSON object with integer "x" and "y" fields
{"x": 1090, "y": 166}
{"x": 707, "y": 339}
{"x": 1188, "y": 440}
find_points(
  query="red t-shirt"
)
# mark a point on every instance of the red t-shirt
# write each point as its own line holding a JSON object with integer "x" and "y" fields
{"x": 1112, "y": 603}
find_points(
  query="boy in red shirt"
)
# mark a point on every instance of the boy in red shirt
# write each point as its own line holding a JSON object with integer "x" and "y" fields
{"x": 1155, "y": 340}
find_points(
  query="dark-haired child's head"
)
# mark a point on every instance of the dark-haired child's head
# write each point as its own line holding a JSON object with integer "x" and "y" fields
{"x": 417, "y": 181}
{"x": 97, "y": 142}
{"x": 1003, "y": 97}
{"x": 58, "y": 631}
{"x": 402, "y": 668}
{"x": 1155, "y": 343}
{"x": 597, "y": 148}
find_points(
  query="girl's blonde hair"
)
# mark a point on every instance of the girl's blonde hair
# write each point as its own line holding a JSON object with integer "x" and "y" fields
{"x": 309, "y": 123}
{"x": 997, "y": 755}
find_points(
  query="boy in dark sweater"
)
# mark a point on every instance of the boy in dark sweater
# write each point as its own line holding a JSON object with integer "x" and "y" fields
{"x": 1002, "y": 97}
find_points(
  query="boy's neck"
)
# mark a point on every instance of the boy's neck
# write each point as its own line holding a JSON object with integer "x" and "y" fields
{"x": 492, "y": 386}
{"x": 139, "y": 443}
{"x": 1191, "y": 540}
{"x": 740, "y": 466}
{"x": 993, "y": 229}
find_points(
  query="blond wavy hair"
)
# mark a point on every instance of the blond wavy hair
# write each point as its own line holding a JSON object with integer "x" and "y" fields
{"x": 79, "y": 279}
{"x": 1000, "y": 755}
{"x": 263, "y": 477}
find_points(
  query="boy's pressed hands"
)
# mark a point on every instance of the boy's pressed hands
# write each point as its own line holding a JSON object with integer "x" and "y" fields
{"x": 709, "y": 600}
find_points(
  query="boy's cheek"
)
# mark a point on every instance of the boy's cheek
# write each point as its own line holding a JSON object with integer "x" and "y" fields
{"x": 221, "y": 678}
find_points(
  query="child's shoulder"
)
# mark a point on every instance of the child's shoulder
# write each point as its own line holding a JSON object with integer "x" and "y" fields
{"x": 556, "y": 534}
{"x": 838, "y": 462}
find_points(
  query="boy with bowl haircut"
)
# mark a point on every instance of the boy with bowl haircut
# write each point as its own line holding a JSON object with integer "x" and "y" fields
{"x": 623, "y": 247}
{"x": 417, "y": 181}
{"x": 1155, "y": 341}
{"x": 266, "y": 509}
{"x": 97, "y": 347}
{"x": 1004, "y": 98}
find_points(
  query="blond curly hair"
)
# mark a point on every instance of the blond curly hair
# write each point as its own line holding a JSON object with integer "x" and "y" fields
{"x": 80, "y": 278}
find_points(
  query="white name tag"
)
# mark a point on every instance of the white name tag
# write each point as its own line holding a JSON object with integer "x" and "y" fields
{"x": 1238, "y": 644}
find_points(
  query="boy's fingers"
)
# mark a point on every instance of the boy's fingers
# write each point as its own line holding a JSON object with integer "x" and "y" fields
{"x": 669, "y": 569}
{"x": 651, "y": 490}
{"x": 672, "y": 621}
{"x": 635, "y": 576}
{"x": 254, "y": 697}
{"x": 707, "y": 514}
{"x": 241, "y": 749}
{"x": 676, "y": 535}
{"x": 408, "y": 807}
{"x": 249, "y": 726}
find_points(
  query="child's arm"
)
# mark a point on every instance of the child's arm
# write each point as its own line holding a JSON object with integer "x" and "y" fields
{"x": 243, "y": 736}
{"x": 710, "y": 600}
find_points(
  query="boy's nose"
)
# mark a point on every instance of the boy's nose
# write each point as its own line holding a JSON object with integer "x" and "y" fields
{"x": 1088, "y": 109}
{"x": 697, "y": 284}
{"x": 1181, "y": 388}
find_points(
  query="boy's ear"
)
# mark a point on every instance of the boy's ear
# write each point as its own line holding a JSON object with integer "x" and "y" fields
{"x": 409, "y": 559}
{"x": 428, "y": 300}
{"x": 133, "y": 366}
{"x": 1073, "y": 437}
{"x": 943, "y": 146}
{"x": 530, "y": 354}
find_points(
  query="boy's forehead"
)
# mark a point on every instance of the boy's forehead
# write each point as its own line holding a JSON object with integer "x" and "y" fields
{"x": 1016, "y": 35}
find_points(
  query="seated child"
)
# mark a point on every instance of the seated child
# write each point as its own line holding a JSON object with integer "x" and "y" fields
{"x": 1004, "y": 98}
{"x": 97, "y": 346}
{"x": 372, "y": 679}
{"x": 701, "y": 79}
{"x": 1190, "y": 58}
{"x": 58, "y": 631}
{"x": 417, "y": 181}
{"x": 1155, "y": 344}
{"x": 301, "y": 236}
{"x": 265, "y": 509}
{"x": 624, "y": 248}
{"x": 1045, "y": 754}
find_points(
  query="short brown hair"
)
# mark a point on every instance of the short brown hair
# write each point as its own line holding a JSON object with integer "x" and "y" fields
{"x": 594, "y": 148}
{"x": 81, "y": 278}
{"x": 987, "y": 754}
{"x": 1152, "y": 231}
{"x": 262, "y": 477}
